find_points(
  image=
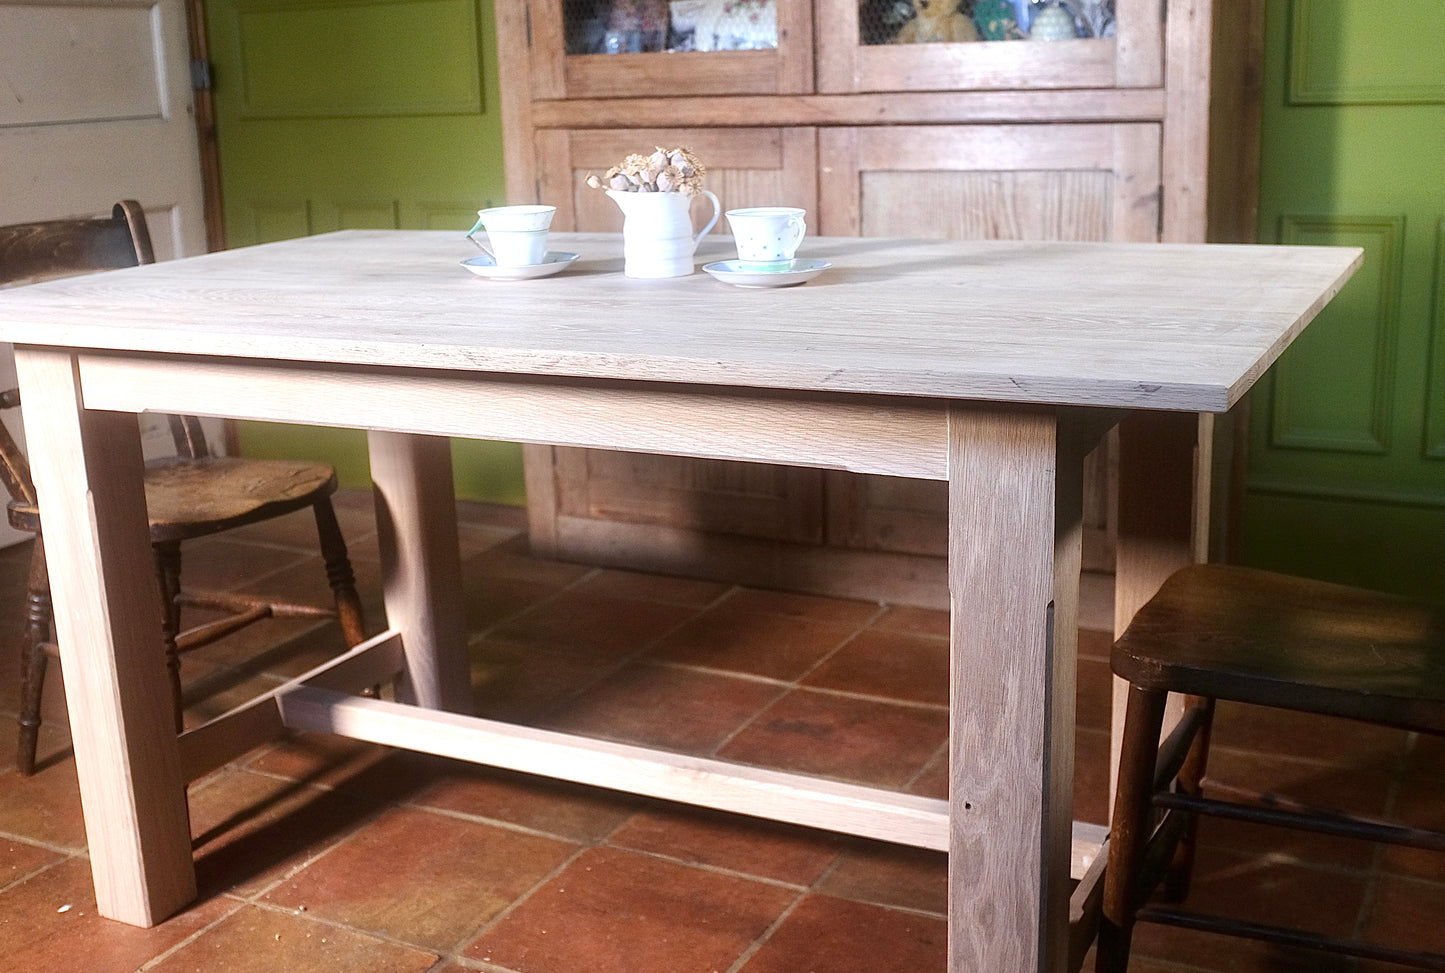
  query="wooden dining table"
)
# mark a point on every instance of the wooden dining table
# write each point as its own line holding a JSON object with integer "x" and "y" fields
{"x": 993, "y": 366}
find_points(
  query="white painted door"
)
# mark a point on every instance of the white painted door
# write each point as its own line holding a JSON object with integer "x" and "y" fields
{"x": 96, "y": 106}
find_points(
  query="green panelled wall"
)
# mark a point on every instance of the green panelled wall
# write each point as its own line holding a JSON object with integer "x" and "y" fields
{"x": 355, "y": 114}
{"x": 1346, "y": 475}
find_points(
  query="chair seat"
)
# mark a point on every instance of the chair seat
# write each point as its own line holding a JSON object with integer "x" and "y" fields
{"x": 1259, "y": 637}
{"x": 187, "y": 498}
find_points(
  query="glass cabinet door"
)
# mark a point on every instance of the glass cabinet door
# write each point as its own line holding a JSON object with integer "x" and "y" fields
{"x": 670, "y": 48}
{"x": 950, "y": 45}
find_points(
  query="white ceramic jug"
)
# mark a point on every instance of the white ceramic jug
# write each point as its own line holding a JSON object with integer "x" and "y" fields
{"x": 657, "y": 237}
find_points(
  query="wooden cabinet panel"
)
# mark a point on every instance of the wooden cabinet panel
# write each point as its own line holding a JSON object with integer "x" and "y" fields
{"x": 745, "y": 167}
{"x": 746, "y": 499}
{"x": 887, "y": 513}
{"x": 1003, "y": 182}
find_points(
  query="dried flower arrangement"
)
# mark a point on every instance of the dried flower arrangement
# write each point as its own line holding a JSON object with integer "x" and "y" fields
{"x": 664, "y": 171}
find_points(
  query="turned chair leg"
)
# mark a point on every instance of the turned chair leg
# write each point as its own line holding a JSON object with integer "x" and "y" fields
{"x": 1189, "y": 781}
{"x": 339, "y": 576}
{"x": 33, "y": 659}
{"x": 339, "y": 573}
{"x": 168, "y": 577}
{"x": 1131, "y": 829}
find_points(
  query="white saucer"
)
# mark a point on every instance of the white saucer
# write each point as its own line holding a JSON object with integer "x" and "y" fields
{"x": 485, "y": 265}
{"x": 740, "y": 274}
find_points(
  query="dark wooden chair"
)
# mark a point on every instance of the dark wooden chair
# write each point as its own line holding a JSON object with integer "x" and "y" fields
{"x": 1219, "y": 632}
{"x": 190, "y": 495}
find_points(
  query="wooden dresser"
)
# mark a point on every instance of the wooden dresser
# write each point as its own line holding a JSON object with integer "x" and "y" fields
{"x": 1150, "y": 134}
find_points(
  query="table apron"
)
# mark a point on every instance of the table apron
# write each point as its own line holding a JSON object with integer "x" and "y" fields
{"x": 862, "y": 434}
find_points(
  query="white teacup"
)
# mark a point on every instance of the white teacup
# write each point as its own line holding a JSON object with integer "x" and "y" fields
{"x": 517, "y": 234}
{"x": 767, "y": 236}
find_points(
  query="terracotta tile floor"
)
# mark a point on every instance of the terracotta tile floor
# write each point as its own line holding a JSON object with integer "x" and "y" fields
{"x": 318, "y": 854}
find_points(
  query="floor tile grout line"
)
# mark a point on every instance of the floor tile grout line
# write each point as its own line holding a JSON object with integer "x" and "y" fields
{"x": 255, "y": 579}
{"x": 41, "y": 870}
{"x": 940, "y": 754}
{"x": 229, "y": 676}
{"x": 304, "y": 549}
{"x": 606, "y": 672}
{"x": 486, "y": 632}
{"x": 853, "y": 842}
{"x": 332, "y": 841}
{"x": 913, "y": 704}
{"x": 1314, "y": 865}
{"x": 711, "y": 869}
{"x": 762, "y": 939}
{"x": 879, "y": 611}
{"x": 258, "y": 898}
{"x": 783, "y": 691}
{"x": 796, "y": 685}
{"x": 1320, "y": 763}
{"x": 294, "y": 787}
{"x": 175, "y": 948}
{"x": 470, "y": 939}
{"x": 70, "y": 851}
{"x": 501, "y": 824}
{"x": 305, "y": 914}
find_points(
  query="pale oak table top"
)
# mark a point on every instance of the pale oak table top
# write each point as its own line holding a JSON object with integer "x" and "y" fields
{"x": 1151, "y": 326}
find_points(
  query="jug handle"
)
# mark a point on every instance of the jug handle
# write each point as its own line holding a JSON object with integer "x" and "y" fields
{"x": 716, "y": 212}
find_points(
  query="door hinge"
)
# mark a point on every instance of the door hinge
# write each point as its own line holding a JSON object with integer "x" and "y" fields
{"x": 200, "y": 75}
{"x": 528, "y": 13}
{"x": 1159, "y": 214}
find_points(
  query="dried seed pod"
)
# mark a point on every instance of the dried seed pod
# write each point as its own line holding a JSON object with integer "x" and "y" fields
{"x": 687, "y": 162}
{"x": 665, "y": 170}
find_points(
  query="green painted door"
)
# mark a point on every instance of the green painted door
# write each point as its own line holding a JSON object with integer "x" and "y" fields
{"x": 358, "y": 114}
{"x": 1347, "y": 449}
{"x": 351, "y": 115}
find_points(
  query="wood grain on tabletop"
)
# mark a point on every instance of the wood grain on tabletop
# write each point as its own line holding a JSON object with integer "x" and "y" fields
{"x": 1116, "y": 325}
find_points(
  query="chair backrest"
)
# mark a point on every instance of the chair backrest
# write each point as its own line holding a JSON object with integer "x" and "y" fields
{"x": 50, "y": 249}
{"x": 31, "y": 252}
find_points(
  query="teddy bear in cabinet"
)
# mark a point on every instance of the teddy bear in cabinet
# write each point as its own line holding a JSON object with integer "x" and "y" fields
{"x": 937, "y": 21}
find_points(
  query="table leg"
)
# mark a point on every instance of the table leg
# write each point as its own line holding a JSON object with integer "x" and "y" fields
{"x": 416, "y": 518}
{"x": 88, "y": 473}
{"x": 1015, "y": 499}
{"x": 1164, "y": 481}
